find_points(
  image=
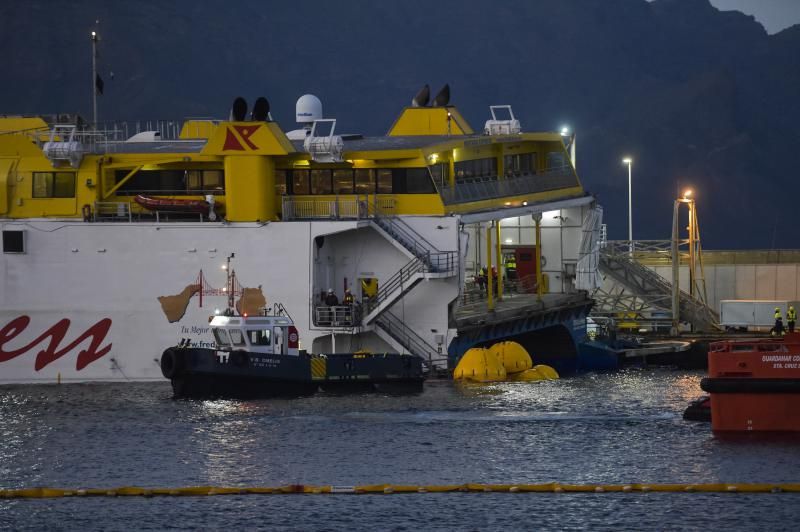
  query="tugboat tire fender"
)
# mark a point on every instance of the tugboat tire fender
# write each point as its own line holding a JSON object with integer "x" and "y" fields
{"x": 171, "y": 363}
{"x": 240, "y": 359}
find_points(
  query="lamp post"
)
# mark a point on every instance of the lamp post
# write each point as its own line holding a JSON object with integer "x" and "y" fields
{"x": 629, "y": 162}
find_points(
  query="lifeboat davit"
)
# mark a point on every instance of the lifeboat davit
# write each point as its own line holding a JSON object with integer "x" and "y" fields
{"x": 754, "y": 384}
{"x": 172, "y": 204}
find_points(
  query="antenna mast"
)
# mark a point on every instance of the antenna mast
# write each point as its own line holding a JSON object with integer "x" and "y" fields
{"x": 95, "y": 37}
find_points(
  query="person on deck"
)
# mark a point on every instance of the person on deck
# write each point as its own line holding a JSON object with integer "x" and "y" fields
{"x": 331, "y": 300}
{"x": 791, "y": 318}
{"x": 348, "y": 298}
{"x": 778, "y": 329}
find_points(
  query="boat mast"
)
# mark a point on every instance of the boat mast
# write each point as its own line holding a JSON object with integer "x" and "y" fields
{"x": 229, "y": 282}
{"x": 95, "y": 38}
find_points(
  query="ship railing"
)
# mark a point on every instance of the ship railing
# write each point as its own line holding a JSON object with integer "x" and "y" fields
{"x": 350, "y": 207}
{"x": 337, "y": 316}
{"x": 475, "y": 290}
{"x": 112, "y": 211}
{"x": 120, "y": 211}
{"x": 492, "y": 187}
{"x": 410, "y": 340}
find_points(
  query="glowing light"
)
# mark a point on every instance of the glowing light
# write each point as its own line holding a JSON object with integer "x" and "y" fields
{"x": 627, "y": 160}
{"x": 94, "y": 34}
{"x": 687, "y": 193}
{"x": 224, "y": 288}
{"x": 434, "y": 157}
{"x": 507, "y": 204}
{"x": 524, "y": 203}
{"x": 224, "y": 266}
{"x": 564, "y": 131}
{"x": 509, "y": 240}
{"x": 216, "y": 312}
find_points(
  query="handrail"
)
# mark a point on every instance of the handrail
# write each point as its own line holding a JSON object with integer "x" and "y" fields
{"x": 443, "y": 262}
{"x": 406, "y": 336}
{"x": 492, "y": 187}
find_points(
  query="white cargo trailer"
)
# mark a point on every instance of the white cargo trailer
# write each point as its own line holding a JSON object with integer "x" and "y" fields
{"x": 752, "y": 313}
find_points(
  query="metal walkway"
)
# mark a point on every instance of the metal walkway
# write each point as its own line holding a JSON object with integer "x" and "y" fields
{"x": 640, "y": 290}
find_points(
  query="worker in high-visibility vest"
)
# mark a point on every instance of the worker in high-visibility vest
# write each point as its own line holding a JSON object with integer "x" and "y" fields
{"x": 778, "y": 329}
{"x": 791, "y": 318}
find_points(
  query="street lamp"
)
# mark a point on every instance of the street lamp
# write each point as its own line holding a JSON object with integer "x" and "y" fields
{"x": 629, "y": 162}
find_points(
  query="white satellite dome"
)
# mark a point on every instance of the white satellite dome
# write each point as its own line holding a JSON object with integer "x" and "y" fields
{"x": 308, "y": 109}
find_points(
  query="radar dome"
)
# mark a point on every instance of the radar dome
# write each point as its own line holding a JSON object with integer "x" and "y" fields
{"x": 308, "y": 109}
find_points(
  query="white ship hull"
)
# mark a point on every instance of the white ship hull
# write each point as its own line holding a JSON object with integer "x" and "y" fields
{"x": 99, "y": 284}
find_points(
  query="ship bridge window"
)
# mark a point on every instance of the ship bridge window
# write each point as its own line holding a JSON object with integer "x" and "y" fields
{"x": 237, "y": 338}
{"x": 384, "y": 181}
{"x": 321, "y": 181}
{"x": 171, "y": 182}
{"x": 259, "y": 337}
{"x": 743, "y": 348}
{"x": 555, "y": 159}
{"x": 412, "y": 181}
{"x": 519, "y": 164}
{"x": 300, "y": 183}
{"x": 221, "y": 336}
{"x": 476, "y": 169}
{"x": 343, "y": 181}
{"x": 280, "y": 182}
{"x": 54, "y": 184}
{"x": 365, "y": 180}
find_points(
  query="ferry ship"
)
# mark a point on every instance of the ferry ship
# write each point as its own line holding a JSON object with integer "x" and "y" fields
{"x": 114, "y": 237}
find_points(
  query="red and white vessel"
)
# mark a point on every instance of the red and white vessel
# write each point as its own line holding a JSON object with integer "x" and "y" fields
{"x": 754, "y": 384}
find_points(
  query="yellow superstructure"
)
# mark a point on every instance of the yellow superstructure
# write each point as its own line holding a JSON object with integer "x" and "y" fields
{"x": 430, "y": 163}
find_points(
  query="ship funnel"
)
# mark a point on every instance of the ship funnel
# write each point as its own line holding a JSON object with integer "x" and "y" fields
{"x": 443, "y": 98}
{"x": 308, "y": 109}
{"x": 422, "y": 98}
{"x": 239, "y": 110}
{"x": 260, "y": 111}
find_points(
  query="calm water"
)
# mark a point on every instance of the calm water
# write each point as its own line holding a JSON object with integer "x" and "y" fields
{"x": 599, "y": 428}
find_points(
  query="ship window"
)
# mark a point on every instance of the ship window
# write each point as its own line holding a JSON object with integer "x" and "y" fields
{"x": 555, "y": 159}
{"x": 743, "y": 348}
{"x": 418, "y": 181}
{"x": 439, "y": 172}
{"x": 259, "y": 337}
{"x": 13, "y": 242}
{"x": 519, "y": 164}
{"x": 476, "y": 168}
{"x": 173, "y": 182}
{"x": 221, "y": 335}
{"x": 300, "y": 182}
{"x": 365, "y": 181}
{"x": 343, "y": 181}
{"x": 54, "y": 184}
{"x": 321, "y": 182}
{"x": 237, "y": 338}
{"x": 280, "y": 182}
{"x": 384, "y": 182}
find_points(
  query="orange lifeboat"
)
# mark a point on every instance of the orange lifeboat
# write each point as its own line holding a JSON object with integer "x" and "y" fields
{"x": 172, "y": 204}
{"x": 754, "y": 384}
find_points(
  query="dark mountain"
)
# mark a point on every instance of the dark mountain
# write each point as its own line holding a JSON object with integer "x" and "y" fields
{"x": 698, "y": 97}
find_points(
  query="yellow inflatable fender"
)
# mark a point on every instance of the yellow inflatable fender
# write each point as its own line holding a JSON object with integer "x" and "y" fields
{"x": 479, "y": 365}
{"x": 512, "y": 356}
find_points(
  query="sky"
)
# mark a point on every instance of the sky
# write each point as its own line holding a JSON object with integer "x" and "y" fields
{"x": 774, "y": 15}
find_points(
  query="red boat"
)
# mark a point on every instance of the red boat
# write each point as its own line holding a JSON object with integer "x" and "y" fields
{"x": 172, "y": 204}
{"x": 754, "y": 384}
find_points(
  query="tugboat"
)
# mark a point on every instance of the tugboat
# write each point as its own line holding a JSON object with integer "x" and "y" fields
{"x": 259, "y": 356}
{"x": 754, "y": 385}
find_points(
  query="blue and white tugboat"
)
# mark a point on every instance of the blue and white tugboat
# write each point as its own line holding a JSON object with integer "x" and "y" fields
{"x": 259, "y": 356}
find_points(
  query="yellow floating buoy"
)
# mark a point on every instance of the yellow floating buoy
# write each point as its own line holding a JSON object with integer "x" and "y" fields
{"x": 539, "y": 372}
{"x": 548, "y": 371}
{"x": 512, "y": 356}
{"x": 529, "y": 375}
{"x": 479, "y": 365}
